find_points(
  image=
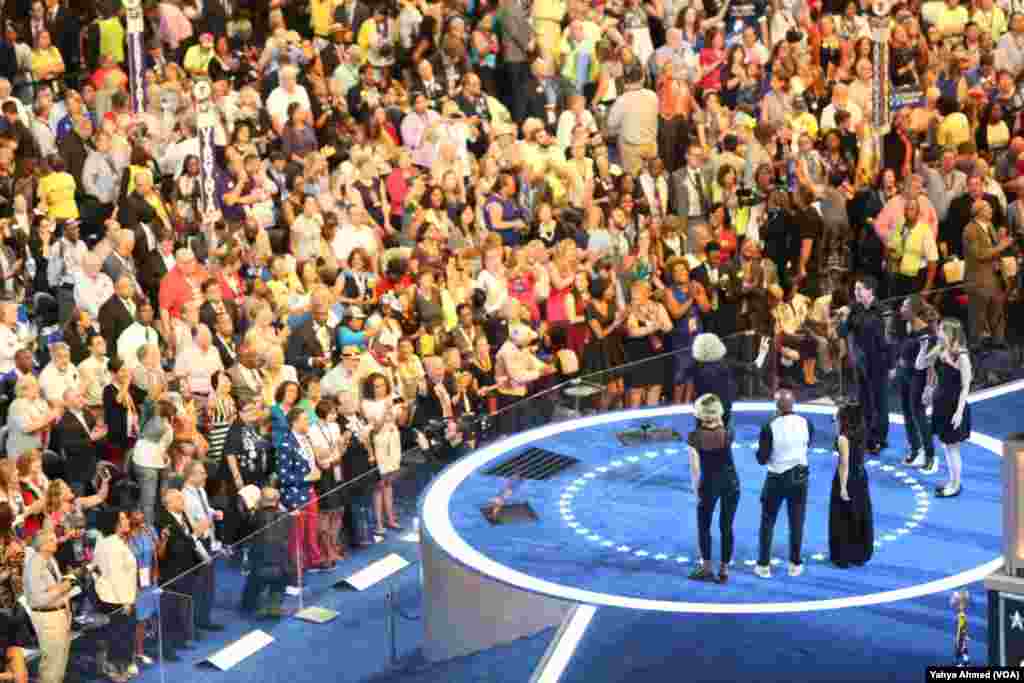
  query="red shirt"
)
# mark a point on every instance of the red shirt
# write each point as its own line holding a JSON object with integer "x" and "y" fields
{"x": 175, "y": 290}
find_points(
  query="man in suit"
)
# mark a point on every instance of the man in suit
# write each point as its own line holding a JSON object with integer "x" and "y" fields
{"x": 78, "y": 437}
{"x": 984, "y": 247}
{"x": 155, "y": 265}
{"x": 246, "y": 380}
{"x": 215, "y": 305}
{"x": 961, "y": 211}
{"x": 136, "y": 214}
{"x": 180, "y": 550}
{"x": 120, "y": 262}
{"x": 309, "y": 345}
{"x": 517, "y": 42}
{"x": 690, "y": 197}
{"x": 225, "y": 341}
{"x": 118, "y": 312}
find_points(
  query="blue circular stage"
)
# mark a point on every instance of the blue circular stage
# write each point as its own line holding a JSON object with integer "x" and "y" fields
{"x": 617, "y": 526}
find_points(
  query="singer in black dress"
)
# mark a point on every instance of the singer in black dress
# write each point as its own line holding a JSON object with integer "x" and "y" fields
{"x": 851, "y": 529}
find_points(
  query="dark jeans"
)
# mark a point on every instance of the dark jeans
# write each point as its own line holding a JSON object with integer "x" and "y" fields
{"x": 121, "y": 632}
{"x": 517, "y": 418}
{"x": 915, "y": 420}
{"x": 873, "y": 393}
{"x": 724, "y": 487}
{"x": 791, "y": 487}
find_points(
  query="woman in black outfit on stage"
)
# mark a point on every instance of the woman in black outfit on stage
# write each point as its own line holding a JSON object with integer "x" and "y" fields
{"x": 851, "y": 534}
{"x": 714, "y": 478}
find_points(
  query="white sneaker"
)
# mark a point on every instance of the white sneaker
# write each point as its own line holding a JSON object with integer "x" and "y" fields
{"x": 763, "y": 570}
{"x": 796, "y": 569}
{"x": 919, "y": 460}
{"x": 292, "y": 590}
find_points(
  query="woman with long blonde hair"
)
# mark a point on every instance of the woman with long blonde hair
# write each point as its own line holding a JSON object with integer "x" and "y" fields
{"x": 949, "y": 384}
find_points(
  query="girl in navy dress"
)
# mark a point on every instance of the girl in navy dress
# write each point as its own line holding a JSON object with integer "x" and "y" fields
{"x": 949, "y": 384}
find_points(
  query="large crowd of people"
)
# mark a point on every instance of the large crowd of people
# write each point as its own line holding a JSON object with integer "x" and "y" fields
{"x": 414, "y": 214}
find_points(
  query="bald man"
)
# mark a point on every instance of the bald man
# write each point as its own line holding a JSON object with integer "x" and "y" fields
{"x": 783, "y": 450}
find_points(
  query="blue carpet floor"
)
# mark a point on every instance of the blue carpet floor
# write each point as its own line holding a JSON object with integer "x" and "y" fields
{"x": 891, "y": 642}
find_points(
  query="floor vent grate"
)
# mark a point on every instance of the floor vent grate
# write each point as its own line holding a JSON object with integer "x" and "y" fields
{"x": 533, "y": 463}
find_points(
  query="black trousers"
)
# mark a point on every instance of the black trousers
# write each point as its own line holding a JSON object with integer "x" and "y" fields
{"x": 204, "y": 590}
{"x": 915, "y": 419}
{"x": 176, "y": 609}
{"x": 789, "y": 487}
{"x": 724, "y": 487}
{"x": 873, "y": 394}
{"x": 121, "y": 632}
{"x": 514, "y": 76}
{"x": 520, "y": 417}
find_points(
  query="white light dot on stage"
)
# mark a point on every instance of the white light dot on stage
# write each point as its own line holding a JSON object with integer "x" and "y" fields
{"x": 574, "y": 496}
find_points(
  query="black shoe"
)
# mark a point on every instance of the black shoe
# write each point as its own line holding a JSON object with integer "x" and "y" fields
{"x": 171, "y": 656}
{"x": 211, "y": 627}
{"x": 947, "y": 492}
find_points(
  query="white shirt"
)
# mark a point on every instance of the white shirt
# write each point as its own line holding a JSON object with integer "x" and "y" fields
{"x": 828, "y": 115}
{"x": 9, "y": 346}
{"x": 279, "y": 101}
{"x": 791, "y": 436}
{"x": 197, "y": 507}
{"x": 198, "y": 366}
{"x": 173, "y": 160}
{"x": 132, "y": 339}
{"x": 54, "y": 383}
{"x": 99, "y": 371}
{"x": 92, "y": 293}
{"x": 118, "y": 579}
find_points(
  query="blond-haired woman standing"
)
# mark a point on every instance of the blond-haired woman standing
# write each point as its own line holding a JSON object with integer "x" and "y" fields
{"x": 947, "y": 390}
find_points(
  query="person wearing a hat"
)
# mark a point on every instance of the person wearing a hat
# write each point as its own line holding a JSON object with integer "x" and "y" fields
{"x": 714, "y": 478}
{"x": 198, "y": 57}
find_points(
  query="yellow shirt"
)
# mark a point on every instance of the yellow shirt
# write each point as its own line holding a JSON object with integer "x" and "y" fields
{"x": 58, "y": 191}
{"x": 951, "y": 20}
{"x": 994, "y": 22}
{"x": 112, "y": 39}
{"x": 45, "y": 60}
{"x": 915, "y": 251}
{"x": 321, "y": 16}
{"x": 954, "y": 130}
{"x": 198, "y": 58}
